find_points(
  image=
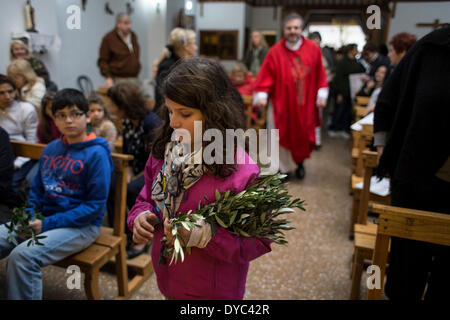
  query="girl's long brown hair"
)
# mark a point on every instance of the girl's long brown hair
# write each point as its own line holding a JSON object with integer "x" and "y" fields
{"x": 44, "y": 119}
{"x": 201, "y": 84}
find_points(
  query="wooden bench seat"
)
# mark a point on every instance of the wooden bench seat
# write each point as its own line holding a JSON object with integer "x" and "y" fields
{"x": 111, "y": 242}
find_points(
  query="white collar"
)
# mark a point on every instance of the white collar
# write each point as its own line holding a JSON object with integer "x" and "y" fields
{"x": 295, "y": 46}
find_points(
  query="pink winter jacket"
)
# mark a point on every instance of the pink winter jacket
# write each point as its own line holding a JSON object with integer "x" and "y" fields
{"x": 219, "y": 270}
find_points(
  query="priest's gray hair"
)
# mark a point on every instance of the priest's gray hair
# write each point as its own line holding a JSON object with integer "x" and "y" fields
{"x": 293, "y": 16}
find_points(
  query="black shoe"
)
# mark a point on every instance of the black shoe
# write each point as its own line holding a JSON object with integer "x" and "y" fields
{"x": 133, "y": 253}
{"x": 300, "y": 171}
{"x": 318, "y": 147}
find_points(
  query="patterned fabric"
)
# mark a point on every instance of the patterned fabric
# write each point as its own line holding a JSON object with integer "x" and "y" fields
{"x": 135, "y": 143}
{"x": 178, "y": 174}
{"x": 106, "y": 129}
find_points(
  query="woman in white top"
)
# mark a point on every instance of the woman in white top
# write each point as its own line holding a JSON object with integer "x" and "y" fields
{"x": 32, "y": 87}
{"x": 20, "y": 120}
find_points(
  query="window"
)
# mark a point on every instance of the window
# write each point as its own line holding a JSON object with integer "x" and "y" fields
{"x": 220, "y": 44}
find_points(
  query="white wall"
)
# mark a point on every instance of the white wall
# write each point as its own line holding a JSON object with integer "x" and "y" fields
{"x": 173, "y": 8}
{"x": 223, "y": 16}
{"x": 79, "y": 48}
{"x": 262, "y": 19}
{"x": 12, "y": 20}
{"x": 409, "y": 13}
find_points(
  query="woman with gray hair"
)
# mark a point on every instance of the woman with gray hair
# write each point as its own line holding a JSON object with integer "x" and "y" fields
{"x": 181, "y": 45}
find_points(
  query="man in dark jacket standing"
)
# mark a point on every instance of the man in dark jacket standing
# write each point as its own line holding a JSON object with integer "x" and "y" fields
{"x": 413, "y": 112}
{"x": 374, "y": 58}
{"x": 119, "y": 53}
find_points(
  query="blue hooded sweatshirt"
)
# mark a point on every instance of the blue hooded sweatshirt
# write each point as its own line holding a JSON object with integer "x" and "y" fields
{"x": 72, "y": 184}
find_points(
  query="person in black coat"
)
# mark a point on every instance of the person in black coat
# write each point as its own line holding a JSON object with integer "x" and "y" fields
{"x": 181, "y": 45}
{"x": 413, "y": 110}
{"x": 7, "y": 198}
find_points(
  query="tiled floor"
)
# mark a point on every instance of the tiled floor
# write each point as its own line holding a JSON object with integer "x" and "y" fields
{"x": 314, "y": 265}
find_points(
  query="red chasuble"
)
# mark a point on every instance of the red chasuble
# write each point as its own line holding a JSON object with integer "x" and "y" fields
{"x": 292, "y": 79}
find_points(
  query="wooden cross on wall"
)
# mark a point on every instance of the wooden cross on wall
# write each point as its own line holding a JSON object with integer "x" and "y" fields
{"x": 435, "y": 25}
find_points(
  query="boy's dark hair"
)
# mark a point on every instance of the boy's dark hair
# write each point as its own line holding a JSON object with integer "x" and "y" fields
{"x": 129, "y": 98}
{"x": 201, "y": 84}
{"x": 68, "y": 98}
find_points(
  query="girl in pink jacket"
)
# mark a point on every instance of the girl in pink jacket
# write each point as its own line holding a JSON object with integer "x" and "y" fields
{"x": 176, "y": 181}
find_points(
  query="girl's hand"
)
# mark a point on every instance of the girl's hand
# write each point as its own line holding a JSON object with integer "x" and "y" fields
{"x": 143, "y": 227}
{"x": 185, "y": 235}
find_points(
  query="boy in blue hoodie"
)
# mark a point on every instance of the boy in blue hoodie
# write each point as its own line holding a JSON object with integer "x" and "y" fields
{"x": 70, "y": 190}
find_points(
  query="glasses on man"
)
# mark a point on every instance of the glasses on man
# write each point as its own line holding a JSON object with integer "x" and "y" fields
{"x": 72, "y": 115}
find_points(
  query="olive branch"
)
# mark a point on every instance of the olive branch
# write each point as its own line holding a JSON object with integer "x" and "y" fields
{"x": 21, "y": 216}
{"x": 253, "y": 213}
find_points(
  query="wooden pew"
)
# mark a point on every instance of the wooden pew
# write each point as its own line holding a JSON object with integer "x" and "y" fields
{"x": 364, "y": 233}
{"x": 408, "y": 224}
{"x": 260, "y": 122}
{"x": 112, "y": 241}
{"x": 362, "y": 101}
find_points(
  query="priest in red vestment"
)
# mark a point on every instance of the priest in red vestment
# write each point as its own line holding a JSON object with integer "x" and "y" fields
{"x": 294, "y": 79}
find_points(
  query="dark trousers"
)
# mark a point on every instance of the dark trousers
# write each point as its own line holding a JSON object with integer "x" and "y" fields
{"x": 20, "y": 175}
{"x": 133, "y": 189}
{"x": 342, "y": 114}
{"x": 5, "y": 213}
{"x": 413, "y": 263}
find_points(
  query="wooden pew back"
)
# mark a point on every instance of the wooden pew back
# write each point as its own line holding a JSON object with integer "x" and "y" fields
{"x": 408, "y": 224}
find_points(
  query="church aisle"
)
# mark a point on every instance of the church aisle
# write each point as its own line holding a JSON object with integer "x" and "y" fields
{"x": 314, "y": 265}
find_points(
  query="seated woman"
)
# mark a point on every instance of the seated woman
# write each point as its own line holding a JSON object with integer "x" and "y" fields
{"x": 139, "y": 124}
{"x": 32, "y": 87}
{"x": 20, "y": 120}
{"x": 381, "y": 75}
{"x": 19, "y": 50}
{"x": 373, "y": 84}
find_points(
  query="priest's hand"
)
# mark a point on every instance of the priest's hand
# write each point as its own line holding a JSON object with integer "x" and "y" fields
{"x": 321, "y": 102}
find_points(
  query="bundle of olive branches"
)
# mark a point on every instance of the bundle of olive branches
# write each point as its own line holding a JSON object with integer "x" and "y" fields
{"x": 252, "y": 213}
{"x": 19, "y": 224}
